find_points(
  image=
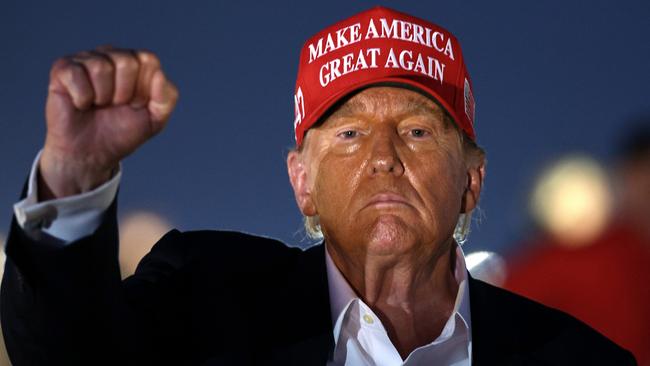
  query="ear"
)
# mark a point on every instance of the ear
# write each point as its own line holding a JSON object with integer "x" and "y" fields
{"x": 298, "y": 177}
{"x": 475, "y": 175}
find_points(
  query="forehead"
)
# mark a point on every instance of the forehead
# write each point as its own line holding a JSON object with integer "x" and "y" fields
{"x": 387, "y": 100}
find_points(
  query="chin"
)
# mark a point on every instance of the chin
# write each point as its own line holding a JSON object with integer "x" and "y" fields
{"x": 388, "y": 235}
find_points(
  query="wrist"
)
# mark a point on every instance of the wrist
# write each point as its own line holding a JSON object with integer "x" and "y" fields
{"x": 60, "y": 176}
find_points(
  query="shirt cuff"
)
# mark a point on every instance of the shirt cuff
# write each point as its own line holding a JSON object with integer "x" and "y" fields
{"x": 66, "y": 219}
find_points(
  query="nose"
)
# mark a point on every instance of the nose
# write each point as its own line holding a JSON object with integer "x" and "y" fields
{"x": 384, "y": 157}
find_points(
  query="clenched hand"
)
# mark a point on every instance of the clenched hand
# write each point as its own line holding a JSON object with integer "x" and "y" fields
{"x": 101, "y": 106}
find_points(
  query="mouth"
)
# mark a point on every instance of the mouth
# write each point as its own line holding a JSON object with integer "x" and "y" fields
{"x": 388, "y": 200}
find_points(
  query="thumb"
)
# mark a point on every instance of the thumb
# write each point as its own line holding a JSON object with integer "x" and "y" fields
{"x": 163, "y": 97}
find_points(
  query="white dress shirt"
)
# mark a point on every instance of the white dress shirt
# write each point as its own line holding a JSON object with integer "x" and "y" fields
{"x": 360, "y": 338}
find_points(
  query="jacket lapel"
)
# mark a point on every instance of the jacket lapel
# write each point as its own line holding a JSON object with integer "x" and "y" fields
{"x": 497, "y": 329}
{"x": 482, "y": 354}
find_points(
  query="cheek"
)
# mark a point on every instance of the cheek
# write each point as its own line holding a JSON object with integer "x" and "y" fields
{"x": 439, "y": 180}
{"x": 336, "y": 180}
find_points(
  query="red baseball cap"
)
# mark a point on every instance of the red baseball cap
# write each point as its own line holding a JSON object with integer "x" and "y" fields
{"x": 381, "y": 46}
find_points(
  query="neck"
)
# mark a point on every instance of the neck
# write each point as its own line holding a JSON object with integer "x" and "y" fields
{"x": 413, "y": 295}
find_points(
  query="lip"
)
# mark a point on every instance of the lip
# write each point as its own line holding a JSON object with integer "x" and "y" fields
{"x": 388, "y": 199}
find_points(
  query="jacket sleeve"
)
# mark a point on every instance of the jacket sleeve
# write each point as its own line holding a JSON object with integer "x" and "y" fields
{"x": 66, "y": 305}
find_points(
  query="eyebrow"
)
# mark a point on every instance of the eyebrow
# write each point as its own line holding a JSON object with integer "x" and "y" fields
{"x": 349, "y": 108}
{"x": 423, "y": 107}
{"x": 355, "y": 106}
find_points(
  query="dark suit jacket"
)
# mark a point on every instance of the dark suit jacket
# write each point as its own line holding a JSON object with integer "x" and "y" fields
{"x": 228, "y": 298}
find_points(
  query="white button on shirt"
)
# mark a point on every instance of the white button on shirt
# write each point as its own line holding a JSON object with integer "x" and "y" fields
{"x": 360, "y": 338}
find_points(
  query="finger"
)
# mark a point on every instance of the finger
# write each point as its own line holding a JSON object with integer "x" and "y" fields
{"x": 101, "y": 72}
{"x": 69, "y": 77}
{"x": 149, "y": 64}
{"x": 127, "y": 69}
{"x": 164, "y": 96}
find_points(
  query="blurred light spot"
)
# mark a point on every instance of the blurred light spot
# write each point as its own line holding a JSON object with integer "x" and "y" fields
{"x": 139, "y": 231}
{"x": 487, "y": 266}
{"x": 572, "y": 200}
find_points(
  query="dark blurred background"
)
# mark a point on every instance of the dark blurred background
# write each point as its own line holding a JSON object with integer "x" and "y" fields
{"x": 556, "y": 82}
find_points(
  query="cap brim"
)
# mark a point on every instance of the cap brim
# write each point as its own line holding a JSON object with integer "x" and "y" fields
{"x": 323, "y": 110}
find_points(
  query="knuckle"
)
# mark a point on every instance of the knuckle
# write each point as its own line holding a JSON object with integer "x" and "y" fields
{"x": 98, "y": 67}
{"x": 125, "y": 64}
{"x": 72, "y": 71}
{"x": 58, "y": 66}
{"x": 59, "y": 63}
{"x": 149, "y": 58}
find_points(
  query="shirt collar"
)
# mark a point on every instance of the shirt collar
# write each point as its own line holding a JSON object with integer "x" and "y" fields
{"x": 341, "y": 293}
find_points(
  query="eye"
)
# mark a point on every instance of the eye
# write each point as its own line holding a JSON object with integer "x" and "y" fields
{"x": 418, "y": 132}
{"x": 348, "y": 134}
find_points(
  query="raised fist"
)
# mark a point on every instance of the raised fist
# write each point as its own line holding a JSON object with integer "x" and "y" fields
{"x": 101, "y": 106}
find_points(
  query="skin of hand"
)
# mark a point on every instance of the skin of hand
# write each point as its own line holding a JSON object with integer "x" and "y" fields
{"x": 388, "y": 177}
{"x": 101, "y": 106}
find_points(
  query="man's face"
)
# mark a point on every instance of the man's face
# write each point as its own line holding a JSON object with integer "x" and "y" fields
{"x": 386, "y": 174}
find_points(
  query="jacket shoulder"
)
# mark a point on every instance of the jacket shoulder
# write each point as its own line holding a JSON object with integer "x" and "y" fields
{"x": 507, "y": 326}
{"x": 223, "y": 249}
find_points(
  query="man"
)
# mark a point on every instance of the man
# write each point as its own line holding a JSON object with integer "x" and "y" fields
{"x": 384, "y": 167}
